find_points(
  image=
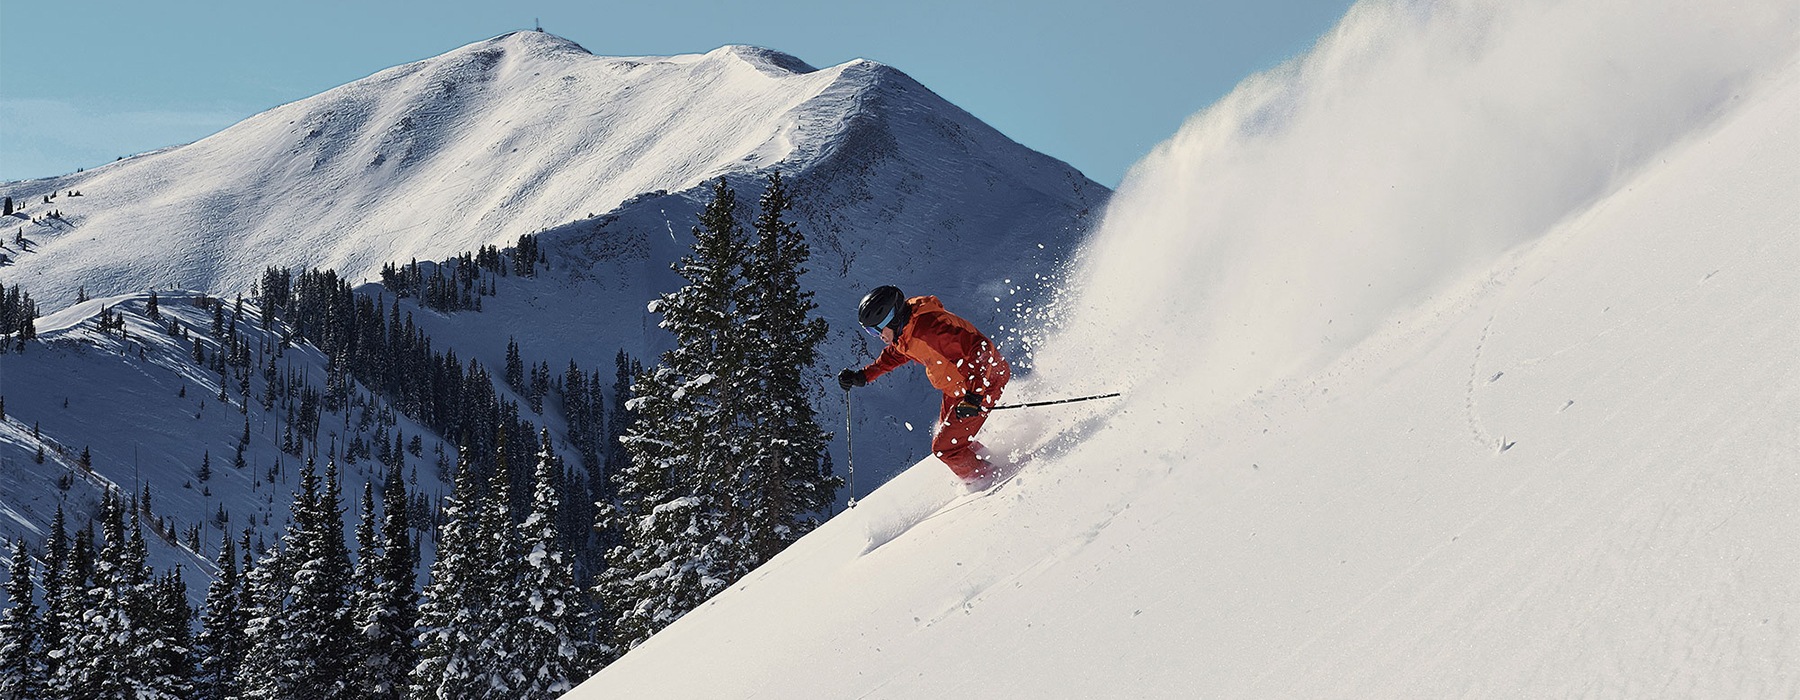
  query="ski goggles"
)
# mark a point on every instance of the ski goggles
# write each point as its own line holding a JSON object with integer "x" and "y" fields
{"x": 875, "y": 330}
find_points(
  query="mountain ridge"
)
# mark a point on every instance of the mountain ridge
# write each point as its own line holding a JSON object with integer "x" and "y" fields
{"x": 512, "y": 135}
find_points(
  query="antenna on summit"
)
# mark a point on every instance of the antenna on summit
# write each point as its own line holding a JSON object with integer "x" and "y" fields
{"x": 538, "y": 24}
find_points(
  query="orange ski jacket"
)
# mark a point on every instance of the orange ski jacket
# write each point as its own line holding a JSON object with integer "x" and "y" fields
{"x": 957, "y": 358}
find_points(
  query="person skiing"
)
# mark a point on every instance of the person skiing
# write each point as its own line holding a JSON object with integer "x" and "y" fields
{"x": 959, "y": 361}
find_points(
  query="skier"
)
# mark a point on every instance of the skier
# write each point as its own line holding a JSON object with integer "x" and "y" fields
{"x": 959, "y": 361}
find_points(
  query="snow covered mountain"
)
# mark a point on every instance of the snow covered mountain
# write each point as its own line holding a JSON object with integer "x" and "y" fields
{"x": 1468, "y": 371}
{"x": 527, "y": 132}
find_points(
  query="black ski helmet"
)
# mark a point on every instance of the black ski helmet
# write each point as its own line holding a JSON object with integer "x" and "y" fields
{"x": 884, "y": 307}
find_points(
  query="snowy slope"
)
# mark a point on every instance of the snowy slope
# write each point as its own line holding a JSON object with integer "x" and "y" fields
{"x": 149, "y": 416}
{"x": 1470, "y": 374}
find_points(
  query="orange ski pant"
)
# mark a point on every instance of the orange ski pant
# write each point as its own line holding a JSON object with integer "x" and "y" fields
{"x": 954, "y": 441}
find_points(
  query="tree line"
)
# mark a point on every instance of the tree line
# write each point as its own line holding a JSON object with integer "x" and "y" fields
{"x": 303, "y": 619}
{"x": 471, "y": 276}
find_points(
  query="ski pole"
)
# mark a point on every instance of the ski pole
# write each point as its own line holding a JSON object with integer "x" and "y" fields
{"x": 849, "y": 449}
{"x": 1053, "y": 403}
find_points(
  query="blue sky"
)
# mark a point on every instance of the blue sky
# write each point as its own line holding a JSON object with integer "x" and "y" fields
{"x": 1096, "y": 84}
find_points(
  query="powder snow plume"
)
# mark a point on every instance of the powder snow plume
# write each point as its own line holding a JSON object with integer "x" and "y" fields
{"x": 1457, "y": 365}
{"x": 1413, "y": 145}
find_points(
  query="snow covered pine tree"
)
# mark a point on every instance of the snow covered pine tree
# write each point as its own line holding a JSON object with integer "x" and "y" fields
{"x": 727, "y": 462}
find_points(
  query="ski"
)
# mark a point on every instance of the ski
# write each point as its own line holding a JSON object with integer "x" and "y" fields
{"x": 1006, "y": 475}
{"x": 1035, "y": 404}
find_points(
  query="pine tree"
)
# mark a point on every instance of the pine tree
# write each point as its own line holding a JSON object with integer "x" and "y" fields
{"x": 321, "y": 596}
{"x": 21, "y": 671}
{"x": 205, "y": 472}
{"x": 470, "y": 616}
{"x": 685, "y": 445}
{"x": 110, "y": 651}
{"x": 457, "y": 600}
{"x": 337, "y": 384}
{"x": 366, "y": 546}
{"x": 76, "y": 584}
{"x": 782, "y": 480}
{"x": 170, "y": 666}
{"x": 579, "y": 413}
{"x": 622, "y": 417}
{"x": 515, "y": 367}
{"x": 551, "y": 643}
{"x": 221, "y": 643}
{"x": 17, "y": 314}
{"x": 499, "y": 619}
{"x": 57, "y": 616}
{"x": 387, "y": 607}
{"x": 54, "y": 564}
{"x": 150, "y": 307}
{"x": 304, "y": 637}
{"x": 366, "y": 585}
{"x": 264, "y": 605}
{"x": 540, "y": 385}
{"x": 141, "y": 506}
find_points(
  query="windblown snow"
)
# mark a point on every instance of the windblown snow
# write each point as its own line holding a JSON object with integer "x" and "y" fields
{"x": 1458, "y": 359}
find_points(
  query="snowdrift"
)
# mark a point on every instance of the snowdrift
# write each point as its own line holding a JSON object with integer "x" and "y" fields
{"x": 1459, "y": 363}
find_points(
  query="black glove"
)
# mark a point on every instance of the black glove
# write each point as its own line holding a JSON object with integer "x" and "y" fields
{"x": 852, "y": 378}
{"x": 970, "y": 406}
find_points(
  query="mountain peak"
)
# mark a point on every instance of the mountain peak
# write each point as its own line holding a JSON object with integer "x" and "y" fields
{"x": 768, "y": 61}
{"x": 535, "y": 42}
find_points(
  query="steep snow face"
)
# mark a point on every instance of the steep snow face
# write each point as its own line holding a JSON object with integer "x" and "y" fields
{"x": 1457, "y": 365}
{"x": 503, "y": 137}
